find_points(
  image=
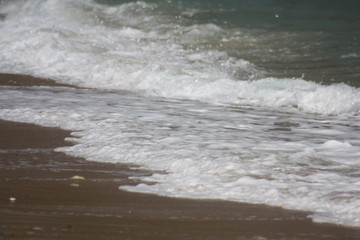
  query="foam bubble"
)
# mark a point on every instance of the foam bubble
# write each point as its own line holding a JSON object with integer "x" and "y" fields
{"x": 336, "y": 144}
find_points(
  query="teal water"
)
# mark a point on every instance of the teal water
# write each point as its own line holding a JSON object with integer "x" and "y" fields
{"x": 315, "y": 40}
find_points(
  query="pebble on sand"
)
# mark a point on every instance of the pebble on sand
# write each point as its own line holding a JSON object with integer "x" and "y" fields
{"x": 76, "y": 177}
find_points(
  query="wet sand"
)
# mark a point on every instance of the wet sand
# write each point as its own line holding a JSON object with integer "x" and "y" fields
{"x": 40, "y": 199}
{"x": 9, "y": 79}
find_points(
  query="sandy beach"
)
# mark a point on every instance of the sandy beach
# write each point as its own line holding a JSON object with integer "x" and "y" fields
{"x": 46, "y": 194}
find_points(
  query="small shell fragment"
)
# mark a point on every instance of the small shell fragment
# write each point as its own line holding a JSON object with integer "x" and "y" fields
{"x": 76, "y": 177}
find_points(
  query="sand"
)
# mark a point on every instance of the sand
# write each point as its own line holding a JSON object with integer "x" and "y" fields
{"x": 46, "y": 194}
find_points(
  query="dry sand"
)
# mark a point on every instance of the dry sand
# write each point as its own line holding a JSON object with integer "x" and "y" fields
{"x": 40, "y": 199}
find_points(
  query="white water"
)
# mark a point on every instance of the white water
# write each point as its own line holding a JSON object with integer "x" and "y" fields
{"x": 130, "y": 48}
{"x": 176, "y": 104}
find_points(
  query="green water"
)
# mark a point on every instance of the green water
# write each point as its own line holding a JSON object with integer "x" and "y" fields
{"x": 313, "y": 40}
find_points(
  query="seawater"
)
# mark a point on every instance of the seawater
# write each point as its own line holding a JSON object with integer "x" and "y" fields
{"x": 249, "y": 101}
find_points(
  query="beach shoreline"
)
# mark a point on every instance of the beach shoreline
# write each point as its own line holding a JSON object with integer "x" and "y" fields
{"x": 47, "y": 194}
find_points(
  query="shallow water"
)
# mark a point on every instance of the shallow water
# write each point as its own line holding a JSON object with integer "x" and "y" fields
{"x": 255, "y": 101}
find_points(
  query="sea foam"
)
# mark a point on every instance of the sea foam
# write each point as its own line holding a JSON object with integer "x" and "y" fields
{"x": 181, "y": 101}
{"x": 97, "y": 46}
{"x": 207, "y": 151}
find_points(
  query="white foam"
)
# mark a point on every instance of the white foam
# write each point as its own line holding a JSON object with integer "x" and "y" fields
{"x": 205, "y": 153}
{"x": 115, "y": 47}
{"x": 336, "y": 144}
{"x": 350, "y": 55}
{"x": 257, "y": 144}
